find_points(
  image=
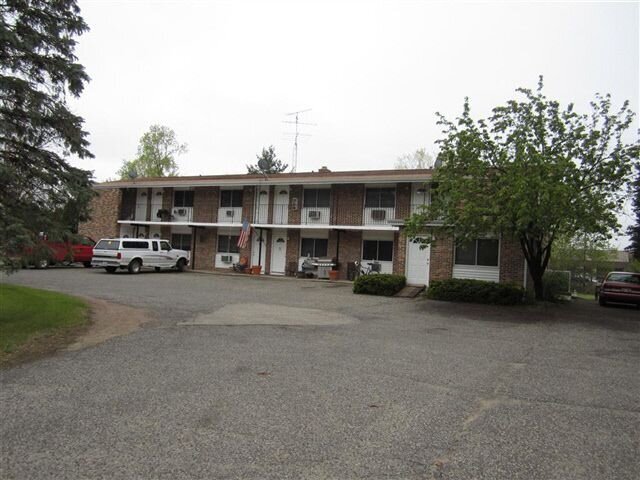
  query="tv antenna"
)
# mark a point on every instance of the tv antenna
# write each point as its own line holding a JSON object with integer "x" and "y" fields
{"x": 296, "y": 134}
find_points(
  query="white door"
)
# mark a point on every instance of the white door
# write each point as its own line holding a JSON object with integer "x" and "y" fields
{"x": 262, "y": 206}
{"x": 258, "y": 254}
{"x": 278, "y": 251}
{"x": 141, "y": 204}
{"x": 281, "y": 205}
{"x": 417, "y": 263}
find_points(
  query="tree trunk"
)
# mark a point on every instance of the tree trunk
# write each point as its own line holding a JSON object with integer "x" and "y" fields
{"x": 538, "y": 285}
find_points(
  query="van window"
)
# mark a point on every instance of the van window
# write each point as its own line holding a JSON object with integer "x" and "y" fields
{"x": 165, "y": 246}
{"x": 155, "y": 246}
{"x": 107, "y": 245}
{"x": 135, "y": 244}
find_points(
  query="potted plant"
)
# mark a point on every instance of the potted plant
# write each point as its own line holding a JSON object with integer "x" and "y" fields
{"x": 256, "y": 269}
{"x": 164, "y": 214}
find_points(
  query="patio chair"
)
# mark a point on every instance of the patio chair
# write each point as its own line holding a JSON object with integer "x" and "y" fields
{"x": 242, "y": 265}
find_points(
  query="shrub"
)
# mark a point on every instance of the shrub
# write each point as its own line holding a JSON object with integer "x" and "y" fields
{"x": 475, "y": 291}
{"x": 379, "y": 284}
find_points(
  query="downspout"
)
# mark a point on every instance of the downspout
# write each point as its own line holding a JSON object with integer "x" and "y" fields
{"x": 194, "y": 232}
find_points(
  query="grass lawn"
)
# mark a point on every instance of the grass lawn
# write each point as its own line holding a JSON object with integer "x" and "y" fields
{"x": 586, "y": 296}
{"x": 28, "y": 314}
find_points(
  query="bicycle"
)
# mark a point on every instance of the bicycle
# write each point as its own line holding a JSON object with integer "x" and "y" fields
{"x": 372, "y": 269}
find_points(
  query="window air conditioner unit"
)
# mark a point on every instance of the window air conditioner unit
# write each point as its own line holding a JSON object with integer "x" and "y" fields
{"x": 229, "y": 213}
{"x": 181, "y": 212}
{"x": 226, "y": 259}
{"x": 314, "y": 214}
{"x": 378, "y": 214}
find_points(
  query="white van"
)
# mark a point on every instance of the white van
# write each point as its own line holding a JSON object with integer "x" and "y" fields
{"x": 135, "y": 253}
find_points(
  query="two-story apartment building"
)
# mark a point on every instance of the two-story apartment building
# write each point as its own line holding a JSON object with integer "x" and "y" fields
{"x": 347, "y": 216}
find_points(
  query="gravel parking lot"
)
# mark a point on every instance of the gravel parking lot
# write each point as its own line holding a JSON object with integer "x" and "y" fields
{"x": 384, "y": 388}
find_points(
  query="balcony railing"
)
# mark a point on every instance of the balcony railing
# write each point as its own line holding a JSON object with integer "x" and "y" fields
{"x": 416, "y": 207}
{"x": 315, "y": 216}
{"x": 378, "y": 215}
{"x": 280, "y": 214}
{"x": 230, "y": 215}
{"x": 138, "y": 213}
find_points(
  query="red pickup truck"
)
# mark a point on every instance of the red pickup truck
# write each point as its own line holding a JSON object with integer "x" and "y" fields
{"x": 79, "y": 249}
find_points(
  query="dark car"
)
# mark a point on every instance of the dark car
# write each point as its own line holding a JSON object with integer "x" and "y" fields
{"x": 620, "y": 287}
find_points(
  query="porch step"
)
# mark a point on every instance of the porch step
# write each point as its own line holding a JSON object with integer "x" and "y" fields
{"x": 410, "y": 291}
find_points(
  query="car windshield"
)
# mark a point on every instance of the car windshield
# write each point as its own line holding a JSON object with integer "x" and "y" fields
{"x": 624, "y": 278}
{"x": 107, "y": 245}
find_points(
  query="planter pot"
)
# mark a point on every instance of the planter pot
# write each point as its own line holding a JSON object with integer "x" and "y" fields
{"x": 333, "y": 275}
{"x": 256, "y": 269}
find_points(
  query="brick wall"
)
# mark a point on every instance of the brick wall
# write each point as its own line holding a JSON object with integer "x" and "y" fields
{"x": 247, "y": 203}
{"x": 148, "y": 197}
{"x": 205, "y": 204}
{"x": 293, "y": 247}
{"x": 350, "y": 249}
{"x": 205, "y": 241}
{"x": 295, "y": 204}
{"x": 403, "y": 200}
{"x": 347, "y": 202}
{"x": 441, "y": 263}
{"x": 511, "y": 261}
{"x": 105, "y": 209}
{"x": 399, "y": 252}
{"x": 167, "y": 204}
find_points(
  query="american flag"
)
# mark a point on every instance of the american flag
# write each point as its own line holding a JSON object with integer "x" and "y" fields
{"x": 244, "y": 234}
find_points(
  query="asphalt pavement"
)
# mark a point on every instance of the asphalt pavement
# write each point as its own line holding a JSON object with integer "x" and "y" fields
{"x": 382, "y": 388}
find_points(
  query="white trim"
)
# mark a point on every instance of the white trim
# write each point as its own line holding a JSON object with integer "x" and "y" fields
{"x": 381, "y": 228}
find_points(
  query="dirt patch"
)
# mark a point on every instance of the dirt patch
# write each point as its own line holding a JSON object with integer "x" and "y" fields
{"x": 108, "y": 320}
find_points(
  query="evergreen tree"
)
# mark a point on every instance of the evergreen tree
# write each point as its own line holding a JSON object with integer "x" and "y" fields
{"x": 38, "y": 132}
{"x": 267, "y": 163}
{"x": 634, "y": 230}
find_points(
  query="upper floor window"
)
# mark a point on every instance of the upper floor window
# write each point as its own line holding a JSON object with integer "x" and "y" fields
{"x": 380, "y": 198}
{"x": 181, "y": 241}
{"x": 231, "y": 198}
{"x": 480, "y": 252}
{"x": 316, "y": 197}
{"x": 183, "y": 198}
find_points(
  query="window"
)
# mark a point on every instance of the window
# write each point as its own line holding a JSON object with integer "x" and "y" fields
{"x": 231, "y": 198}
{"x": 380, "y": 250}
{"x": 183, "y": 198}
{"x": 228, "y": 244}
{"x": 624, "y": 278}
{"x": 181, "y": 241}
{"x": 482, "y": 252}
{"x": 107, "y": 245}
{"x": 135, "y": 244}
{"x": 164, "y": 245}
{"x": 316, "y": 198}
{"x": 314, "y": 247}
{"x": 380, "y": 198}
{"x": 155, "y": 246}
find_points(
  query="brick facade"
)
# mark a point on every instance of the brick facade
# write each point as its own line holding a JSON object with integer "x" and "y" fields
{"x": 347, "y": 203}
{"x": 295, "y": 204}
{"x": 441, "y": 263}
{"x": 403, "y": 200}
{"x": 205, "y": 204}
{"x": 205, "y": 243}
{"x": 105, "y": 210}
{"x": 399, "y": 252}
{"x": 511, "y": 261}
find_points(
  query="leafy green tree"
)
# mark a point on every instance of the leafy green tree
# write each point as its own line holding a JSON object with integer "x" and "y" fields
{"x": 267, "y": 163}
{"x": 634, "y": 230}
{"x": 157, "y": 152}
{"x": 418, "y": 159}
{"x": 533, "y": 171}
{"x": 38, "y": 132}
{"x": 585, "y": 256}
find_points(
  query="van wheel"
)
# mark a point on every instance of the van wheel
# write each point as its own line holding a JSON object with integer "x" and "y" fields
{"x": 110, "y": 269}
{"x": 181, "y": 265}
{"x": 134, "y": 266}
{"x": 86, "y": 264}
{"x": 158, "y": 269}
{"x": 42, "y": 264}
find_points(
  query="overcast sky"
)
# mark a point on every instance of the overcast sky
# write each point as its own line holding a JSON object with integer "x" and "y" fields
{"x": 223, "y": 74}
